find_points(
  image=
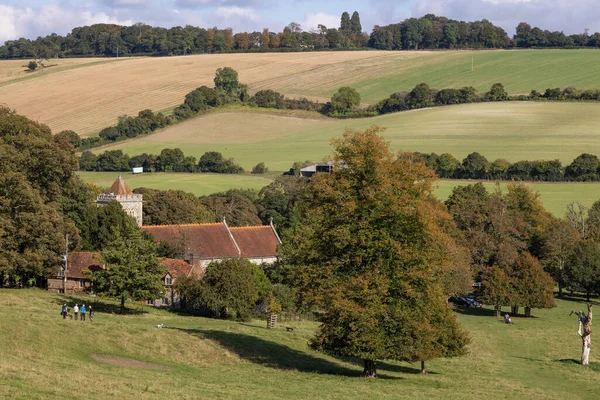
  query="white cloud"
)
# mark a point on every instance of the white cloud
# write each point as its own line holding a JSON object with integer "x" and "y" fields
{"x": 235, "y": 12}
{"x": 312, "y": 21}
{"x": 18, "y": 22}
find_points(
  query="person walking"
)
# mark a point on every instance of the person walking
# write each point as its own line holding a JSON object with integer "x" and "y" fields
{"x": 82, "y": 310}
{"x": 76, "y": 311}
{"x": 64, "y": 311}
{"x": 91, "y": 313}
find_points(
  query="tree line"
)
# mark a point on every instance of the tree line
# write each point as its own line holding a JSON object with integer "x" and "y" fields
{"x": 427, "y": 32}
{"x": 169, "y": 160}
{"x": 584, "y": 168}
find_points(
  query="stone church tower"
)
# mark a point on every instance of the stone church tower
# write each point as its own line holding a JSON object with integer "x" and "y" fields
{"x": 131, "y": 203}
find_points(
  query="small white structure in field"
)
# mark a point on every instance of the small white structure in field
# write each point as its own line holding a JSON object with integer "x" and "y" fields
{"x": 137, "y": 170}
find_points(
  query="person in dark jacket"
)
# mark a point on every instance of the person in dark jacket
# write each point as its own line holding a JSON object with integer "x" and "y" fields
{"x": 64, "y": 311}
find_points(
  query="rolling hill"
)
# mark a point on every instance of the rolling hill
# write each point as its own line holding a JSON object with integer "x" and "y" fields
{"x": 91, "y": 96}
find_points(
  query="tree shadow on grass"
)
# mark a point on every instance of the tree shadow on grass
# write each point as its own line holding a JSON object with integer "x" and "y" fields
{"x": 403, "y": 369}
{"x": 594, "y": 366}
{"x": 99, "y": 305}
{"x": 273, "y": 355}
{"x": 576, "y": 298}
{"x": 476, "y": 311}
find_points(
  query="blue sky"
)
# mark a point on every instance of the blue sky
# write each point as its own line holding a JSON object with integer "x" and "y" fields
{"x": 31, "y": 18}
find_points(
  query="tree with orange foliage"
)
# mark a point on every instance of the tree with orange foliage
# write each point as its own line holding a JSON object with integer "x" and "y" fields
{"x": 369, "y": 246}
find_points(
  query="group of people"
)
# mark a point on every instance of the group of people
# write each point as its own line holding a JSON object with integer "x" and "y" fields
{"x": 78, "y": 311}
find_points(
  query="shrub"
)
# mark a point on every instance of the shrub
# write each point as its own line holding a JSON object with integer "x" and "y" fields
{"x": 344, "y": 100}
{"x": 32, "y": 66}
{"x": 260, "y": 169}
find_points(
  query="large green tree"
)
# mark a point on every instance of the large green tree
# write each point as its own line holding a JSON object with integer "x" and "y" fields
{"x": 166, "y": 207}
{"x": 366, "y": 245}
{"x": 132, "y": 270}
{"x": 228, "y": 289}
{"x": 35, "y": 169}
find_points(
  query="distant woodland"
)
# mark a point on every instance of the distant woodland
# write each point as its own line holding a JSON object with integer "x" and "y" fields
{"x": 427, "y": 32}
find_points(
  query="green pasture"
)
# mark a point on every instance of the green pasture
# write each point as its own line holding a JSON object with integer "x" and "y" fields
{"x": 46, "y": 357}
{"x": 512, "y": 130}
{"x": 554, "y": 196}
{"x": 199, "y": 184}
{"x": 519, "y": 70}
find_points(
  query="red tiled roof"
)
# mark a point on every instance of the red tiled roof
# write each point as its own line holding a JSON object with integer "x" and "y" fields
{"x": 120, "y": 188}
{"x": 256, "y": 241}
{"x": 177, "y": 268}
{"x": 205, "y": 240}
{"x": 82, "y": 261}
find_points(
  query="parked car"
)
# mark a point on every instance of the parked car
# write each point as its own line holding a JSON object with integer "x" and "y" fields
{"x": 459, "y": 301}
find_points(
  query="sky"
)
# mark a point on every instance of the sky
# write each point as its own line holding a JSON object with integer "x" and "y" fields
{"x": 32, "y": 18}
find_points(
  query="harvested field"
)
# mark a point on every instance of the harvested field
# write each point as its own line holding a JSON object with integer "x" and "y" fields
{"x": 91, "y": 98}
{"x": 126, "y": 362}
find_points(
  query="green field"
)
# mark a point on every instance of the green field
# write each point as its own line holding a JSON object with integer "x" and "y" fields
{"x": 514, "y": 131}
{"x": 45, "y": 357}
{"x": 554, "y": 196}
{"x": 199, "y": 184}
{"x": 519, "y": 71}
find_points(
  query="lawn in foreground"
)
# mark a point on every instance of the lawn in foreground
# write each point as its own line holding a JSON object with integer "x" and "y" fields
{"x": 198, "y": 184}
{"x": 91, "y": 98}
{"x": 512, "y": 130}
{"x": 47, "y": 357}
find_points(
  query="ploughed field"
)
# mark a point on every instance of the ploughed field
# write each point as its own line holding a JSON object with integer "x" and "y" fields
{"x": 127, "y": 357}
{"x": 88, "y": 95}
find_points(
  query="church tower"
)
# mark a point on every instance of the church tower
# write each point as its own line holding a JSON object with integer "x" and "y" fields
{"x": 131, "y": 203}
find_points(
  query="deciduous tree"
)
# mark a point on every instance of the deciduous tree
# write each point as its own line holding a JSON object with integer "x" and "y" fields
{"x": 365, "y": 245}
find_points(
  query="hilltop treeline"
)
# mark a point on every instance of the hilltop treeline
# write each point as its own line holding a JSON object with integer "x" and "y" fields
{"x": 585, "y": 168}
{"x": 427, "y": 32}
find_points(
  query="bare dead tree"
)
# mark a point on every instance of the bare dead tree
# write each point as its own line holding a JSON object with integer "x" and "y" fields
{"x": 584, "y": 329}
{"x": 576, "y": 214}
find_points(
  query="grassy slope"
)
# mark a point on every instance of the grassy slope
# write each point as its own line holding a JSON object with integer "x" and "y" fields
{"x": 514, "y": 131}
{"x": 46, "y": 357}
{"x": 199, "y": 184}
{"x": 91, "y": 98}
{"x": 555, "y": 196}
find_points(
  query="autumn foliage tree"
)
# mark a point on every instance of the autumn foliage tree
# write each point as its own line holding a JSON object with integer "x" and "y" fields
{"x": 365, "y": 245}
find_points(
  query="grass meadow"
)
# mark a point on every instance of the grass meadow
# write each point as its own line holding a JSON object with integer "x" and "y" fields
{"x": 46, "y": 357}
{"x": 92, "y": 96}
{"x": 199, "y": 184}
{"x": 554, "y": 196}
{"x": 513, "y": 130}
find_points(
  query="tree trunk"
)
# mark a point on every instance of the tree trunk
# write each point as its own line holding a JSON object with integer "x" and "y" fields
{"x": 370, "y": 370}
{"x": 528, "y": 312}
{"x": 560, "y": 290}
{"x": 498, "y": 311}
{"x": 123, "y": 304}
{"x": 423, "y": 367}
{"x": 515, "y": 310}
{"x": 586, "y": 343}
{"x": 588, "y": 295}
{"x": 586, "y": 339}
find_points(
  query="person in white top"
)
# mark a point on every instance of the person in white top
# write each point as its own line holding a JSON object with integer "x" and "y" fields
{"x": 76, "y": 311}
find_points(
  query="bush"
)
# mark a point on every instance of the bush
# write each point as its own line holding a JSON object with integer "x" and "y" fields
{"x": 268, "y": 99}
{"x": 32, "y": 66}
{"x": 344, "y": 100}
{"x": 260, "y": 169}
{"x": 213, "y": 161}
